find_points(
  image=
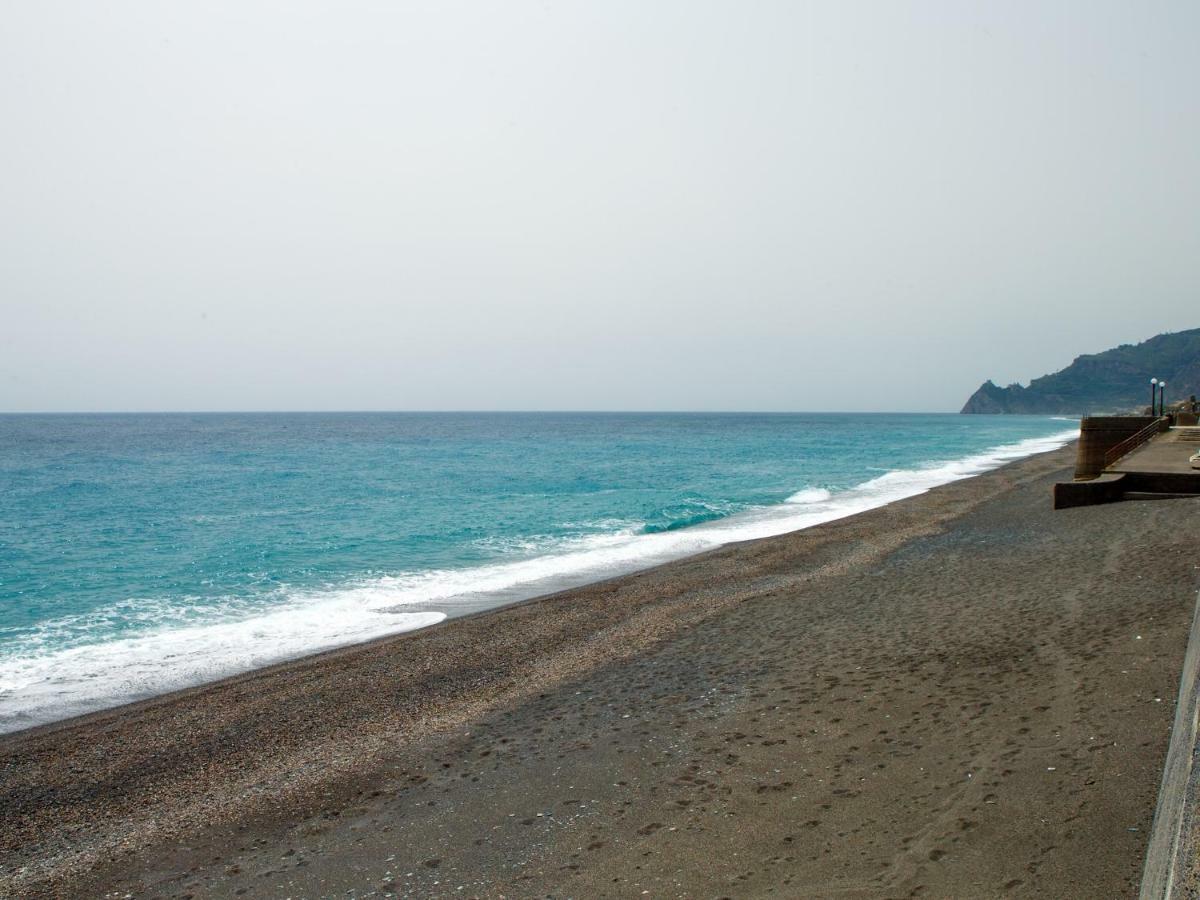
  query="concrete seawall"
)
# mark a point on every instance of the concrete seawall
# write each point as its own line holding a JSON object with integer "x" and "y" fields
{"x": 1098, "y": 435}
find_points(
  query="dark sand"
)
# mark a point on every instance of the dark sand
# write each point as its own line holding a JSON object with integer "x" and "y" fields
{"x": 964, "y": 694}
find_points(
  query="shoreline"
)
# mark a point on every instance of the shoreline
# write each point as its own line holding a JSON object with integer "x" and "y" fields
{"x": 271, "y": 751}
{"x": 752, "y": 524}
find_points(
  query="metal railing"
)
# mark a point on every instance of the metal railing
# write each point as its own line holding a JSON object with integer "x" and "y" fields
{"x": 1136, "y": 440}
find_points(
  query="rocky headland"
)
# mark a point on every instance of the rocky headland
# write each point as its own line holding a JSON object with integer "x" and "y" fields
{"x": 1115, "y": 381}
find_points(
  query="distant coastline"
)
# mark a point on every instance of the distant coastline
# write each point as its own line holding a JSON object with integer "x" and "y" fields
{"x": 1116, "y": 381}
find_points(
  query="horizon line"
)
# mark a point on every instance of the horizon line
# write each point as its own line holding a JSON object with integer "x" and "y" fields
{"x": 465, "y": 411}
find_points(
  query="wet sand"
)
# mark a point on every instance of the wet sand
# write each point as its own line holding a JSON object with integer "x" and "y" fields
{"x": 964, "y": 694}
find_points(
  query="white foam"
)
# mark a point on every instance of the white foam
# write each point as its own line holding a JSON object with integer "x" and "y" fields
{"x": 811, "y": 495}
{"x": 44, "y": 687}
{"x": 39, "y": 687}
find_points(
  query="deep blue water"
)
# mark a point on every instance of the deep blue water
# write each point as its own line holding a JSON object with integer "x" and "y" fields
{"x": 140, "y": 553}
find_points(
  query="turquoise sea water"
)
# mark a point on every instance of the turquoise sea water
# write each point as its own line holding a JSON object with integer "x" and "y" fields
{"x": 143, "y": 553}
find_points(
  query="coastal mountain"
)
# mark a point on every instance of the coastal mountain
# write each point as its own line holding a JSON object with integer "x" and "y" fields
{"x": 1116, "y": 380}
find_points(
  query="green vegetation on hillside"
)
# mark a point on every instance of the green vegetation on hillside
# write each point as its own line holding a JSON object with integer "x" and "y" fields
{"x": 1114, "y": 381}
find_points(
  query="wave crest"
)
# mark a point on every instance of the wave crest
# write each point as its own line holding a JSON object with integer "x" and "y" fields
{"x": 811, "y": 495}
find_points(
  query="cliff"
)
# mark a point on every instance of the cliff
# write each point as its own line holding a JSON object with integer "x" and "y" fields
{"x": 1114, "y": 381}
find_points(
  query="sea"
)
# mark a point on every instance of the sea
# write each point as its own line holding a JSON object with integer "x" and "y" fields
{"x": 140, "y": 554}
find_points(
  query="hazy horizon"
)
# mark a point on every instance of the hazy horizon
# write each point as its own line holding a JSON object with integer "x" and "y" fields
{"x": 574, "y": 207}
{"x": 497, "y": 412}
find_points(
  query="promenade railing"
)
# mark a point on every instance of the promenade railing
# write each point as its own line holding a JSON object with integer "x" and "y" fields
{"x": 1131, "y": 443}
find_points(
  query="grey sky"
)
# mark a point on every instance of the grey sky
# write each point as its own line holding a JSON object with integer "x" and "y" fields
{"x": 603, "y": 205}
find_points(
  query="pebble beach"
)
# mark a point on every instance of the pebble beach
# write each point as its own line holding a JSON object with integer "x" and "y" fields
{"x": 960, "y": 694}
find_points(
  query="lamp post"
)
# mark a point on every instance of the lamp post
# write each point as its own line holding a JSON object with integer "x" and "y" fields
{"x": 1162, "y": 398}
{"x": 1153, "y": 394}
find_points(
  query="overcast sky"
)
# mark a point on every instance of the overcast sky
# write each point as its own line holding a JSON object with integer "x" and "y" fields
{"x": 601, "y": 205}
